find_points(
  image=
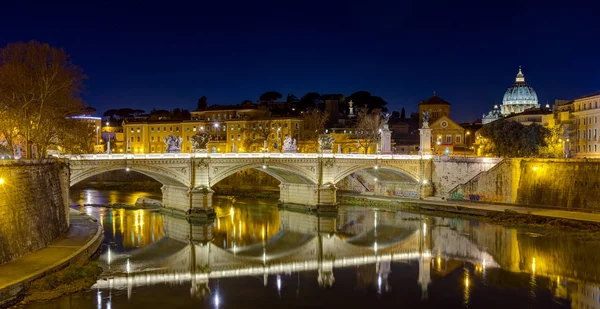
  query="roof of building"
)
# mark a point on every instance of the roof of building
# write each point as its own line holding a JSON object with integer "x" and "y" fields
{"x": 520, "y": 93}
{"x": 597, "y": 93}
{"x": 532, "y": 111}
{"x": 434, "y": 100}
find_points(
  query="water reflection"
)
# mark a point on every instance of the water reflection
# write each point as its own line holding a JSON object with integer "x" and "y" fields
{"x": 256, "y": 255}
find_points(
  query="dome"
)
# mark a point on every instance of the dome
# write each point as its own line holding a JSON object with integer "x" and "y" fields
{"x": 520, "y": 93}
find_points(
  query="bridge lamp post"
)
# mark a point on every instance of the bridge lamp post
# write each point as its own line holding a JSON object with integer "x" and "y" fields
{"x": 97, "y": 138}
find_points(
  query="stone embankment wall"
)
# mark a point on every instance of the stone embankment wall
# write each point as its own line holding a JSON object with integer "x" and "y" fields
{"x": 560, "y": 183}
{"x": 448, "y": 173}
{"x": 34, "y": 206}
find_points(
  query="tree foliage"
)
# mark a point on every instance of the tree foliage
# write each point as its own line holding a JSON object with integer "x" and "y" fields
{"x": 365, "y": 99}
{"x": 309, "y": 101}
{"x": 367, "y": 127}
{"x": 270, "y": 96}
{"x": 505, "y": 138}
{"x": 39, "y": 88}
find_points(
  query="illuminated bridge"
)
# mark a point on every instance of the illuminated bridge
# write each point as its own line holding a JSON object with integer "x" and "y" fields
{"x": 307, "y": 179}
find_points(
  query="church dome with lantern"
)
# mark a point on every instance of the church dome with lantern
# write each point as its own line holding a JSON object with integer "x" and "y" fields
{"x": 519, "y": 96}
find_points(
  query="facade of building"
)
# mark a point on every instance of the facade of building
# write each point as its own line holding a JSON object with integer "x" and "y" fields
{"x": 585, "y": 127}
{"x": 446, "y": 135}
{"x": 227, "y": 135}
{"x": 436, "y": 106}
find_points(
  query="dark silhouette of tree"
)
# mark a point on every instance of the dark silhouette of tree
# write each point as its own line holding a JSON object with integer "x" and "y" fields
{"x": 291, "y": 99}
{"x": 202, "y": 103}
{"x": 367, "y": 127}
{"x": 270, "y": 96}
{"x": 403, "y": 114}
{"x": 365, "y": 99}
{"x": 309, "y": 101}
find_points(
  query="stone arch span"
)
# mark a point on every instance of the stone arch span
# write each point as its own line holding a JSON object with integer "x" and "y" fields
{"x": 410, "y": 171}
{"x": 165, "y": 175}
{"x": 282, "y": 172}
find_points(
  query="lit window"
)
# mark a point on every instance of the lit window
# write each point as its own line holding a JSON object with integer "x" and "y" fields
{"x": 170, "y": 129}
{"x": 131, "y": 130}
{"x": 152, "y": 129}
{"x": 157, "y": 129}
{"x": 187, "y": 129}
{"x": 152, "y": 138}
{"x": 232, "y": 137}
{"x": 194, "y": 129}
{"x": 138, "y": 130}
{"x": 239, "y": 137}
{"x": 176, "y": 129}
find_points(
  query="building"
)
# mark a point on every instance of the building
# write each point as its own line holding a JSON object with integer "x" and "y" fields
{"x": 445, "y": 133}
{"x": 542, "y": 116}
{"x": 235, "y": 128}
{"x": 436, "y": 107}
{"x": 519, "y": 97}
{"x": 584, "y": 125}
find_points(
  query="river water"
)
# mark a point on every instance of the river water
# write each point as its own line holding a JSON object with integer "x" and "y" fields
{"x": 255, "y": 255}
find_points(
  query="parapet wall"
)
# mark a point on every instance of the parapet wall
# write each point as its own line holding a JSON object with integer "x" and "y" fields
{"x": 33, "y": 206}
{"x": 560, "y": 183}
{"x": 450, "y": 172}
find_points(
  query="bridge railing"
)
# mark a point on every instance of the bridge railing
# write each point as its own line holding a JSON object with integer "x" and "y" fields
{"x": 131, "y": 156}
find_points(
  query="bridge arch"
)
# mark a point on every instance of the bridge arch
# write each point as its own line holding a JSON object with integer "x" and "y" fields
{"x": 166, "y": 176}
{"x": 282, "y": 172}
{"x": 409, "y": 171}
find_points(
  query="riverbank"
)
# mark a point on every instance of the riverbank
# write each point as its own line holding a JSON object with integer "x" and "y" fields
{"x": 80, "y": 242}
{"x": 586, "y": 224}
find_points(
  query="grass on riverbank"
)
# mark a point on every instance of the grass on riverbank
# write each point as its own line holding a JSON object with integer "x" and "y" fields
{"x": 76, "y": 277}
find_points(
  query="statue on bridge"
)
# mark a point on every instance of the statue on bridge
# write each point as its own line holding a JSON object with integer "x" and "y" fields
{"x": 200, "y": 142}
{"x": 289, "y": 144}
{"x": 425, "y": 119}
{"x": 326, "y": 143}
{"x": 173, "y": 144}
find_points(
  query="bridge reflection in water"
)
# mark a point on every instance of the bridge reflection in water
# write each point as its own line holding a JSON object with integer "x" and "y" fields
{"x": 256, "y": 240}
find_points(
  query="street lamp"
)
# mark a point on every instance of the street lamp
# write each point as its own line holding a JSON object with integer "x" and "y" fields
{"x": 97, "y": 138}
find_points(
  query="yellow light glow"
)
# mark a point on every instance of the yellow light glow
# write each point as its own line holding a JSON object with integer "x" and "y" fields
{"x": 1, "y": 181}
{"x": 535, "y": 168}
{"x": 467, "y": 282}
{"x": 533, "y": 265}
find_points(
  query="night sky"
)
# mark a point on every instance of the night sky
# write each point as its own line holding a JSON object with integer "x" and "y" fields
{"x": 167, "y": 54}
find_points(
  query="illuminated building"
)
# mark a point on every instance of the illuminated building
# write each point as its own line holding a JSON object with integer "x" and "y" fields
{"x": 445, "y": 133}
{"x": 586, "y": 111}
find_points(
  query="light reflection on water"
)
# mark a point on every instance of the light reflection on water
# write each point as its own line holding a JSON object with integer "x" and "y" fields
{"x": 255, "y": 255}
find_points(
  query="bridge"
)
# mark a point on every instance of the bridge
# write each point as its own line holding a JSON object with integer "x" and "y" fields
{"x": 307, "y": 179}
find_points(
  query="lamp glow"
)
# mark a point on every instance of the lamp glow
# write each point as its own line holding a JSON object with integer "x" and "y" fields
{"x": 1, "y": 181}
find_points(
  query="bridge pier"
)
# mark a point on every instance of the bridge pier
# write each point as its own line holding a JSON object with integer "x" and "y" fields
{"x": 312, "y": 197}
{"x": 196, "y": 203}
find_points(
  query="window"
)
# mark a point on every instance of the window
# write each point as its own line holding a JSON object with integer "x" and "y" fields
{"x": 152, "y": 148}
{"x": 176, "y": 129}
{"x": 187, "y": 129}
{"x": 448, "y": 139}
{"x": 138, "y": 139}
{"x": 595, "y": 147}
{"x": 138, "y": 130}
{"x": 238, "y": 127}
{"x": 596, "y": 119}
{"x": 596, "y": 104}
{"x": 232, "y": 137}
{"x": 589, "y": 148}
{"x": 152, "y": 138}
{"x": 595, "y": 133}
{"x": 187, "y": 137}
{"x": 578, "y": 135}
{"x": 578, "y": 148}
{"x": 457, "y": 139}
{"x": 157, "y": 129}
{"x": 239, "y": 137}
{"x": 170, "y": 129}
{"x": 194, "y": 128}
{"x": 232, "y": 128}
{"x": 589, "y": 134}
{"x": 132, "y": 137}
{"x": 152, "y": 129}
{"x": 131, "y": 130}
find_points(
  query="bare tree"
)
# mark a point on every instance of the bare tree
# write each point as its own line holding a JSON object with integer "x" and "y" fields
{"x": 367, "y": 128}
{"x": 41, "y": 88}
{"x": 314, "y": 125}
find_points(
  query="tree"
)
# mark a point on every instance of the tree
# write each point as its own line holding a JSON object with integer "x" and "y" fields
{"x": 365, "y": 99}
{"x": 309, "y": 101}
{"x": 403, "y": 114}
{"x": 270, "y": 96}
{"x": 256, "y": 135}
{"x": 314, "y": 124}
{"x": 367, "y": 128}
{"x": 41, "y": 88}
{"x": 202, "y": 103}
{"x": 505, "y": 138}
{"x": 291, "y": 99}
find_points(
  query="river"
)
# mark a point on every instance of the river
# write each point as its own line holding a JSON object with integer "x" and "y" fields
{"x": 255, "y": 255}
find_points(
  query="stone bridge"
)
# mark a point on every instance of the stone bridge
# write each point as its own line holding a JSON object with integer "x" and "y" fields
{"x": 307, "y": 179}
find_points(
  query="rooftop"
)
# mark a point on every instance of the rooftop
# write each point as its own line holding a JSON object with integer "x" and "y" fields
{"x": 434, "y": 100}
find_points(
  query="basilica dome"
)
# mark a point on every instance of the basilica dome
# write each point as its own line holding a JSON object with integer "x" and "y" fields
{"x": 519, "y": 97}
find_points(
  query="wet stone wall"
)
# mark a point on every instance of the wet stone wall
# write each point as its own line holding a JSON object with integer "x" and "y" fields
{"x": 33, "y": 206}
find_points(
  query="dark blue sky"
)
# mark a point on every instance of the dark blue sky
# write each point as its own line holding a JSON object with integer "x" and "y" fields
{"x": 167, "y": 54}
